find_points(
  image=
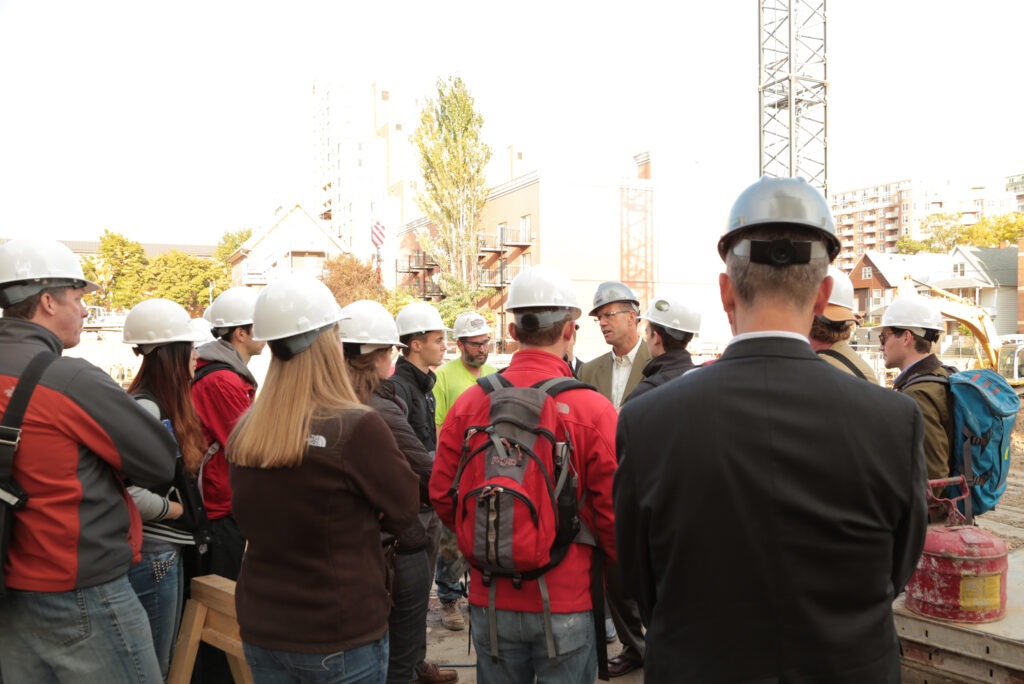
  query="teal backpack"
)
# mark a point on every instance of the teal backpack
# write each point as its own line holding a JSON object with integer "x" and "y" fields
{"x": 984, "y": 412}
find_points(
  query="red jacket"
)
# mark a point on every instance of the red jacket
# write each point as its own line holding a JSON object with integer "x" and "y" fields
{"x": 591, "y": 420}
{"x": 81, "y": 437}
{"x": 220, "y": 399}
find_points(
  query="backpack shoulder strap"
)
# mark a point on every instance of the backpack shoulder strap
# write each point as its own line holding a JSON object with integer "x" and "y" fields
{"x": 555, "y": 386}
{"x": 941, "y": 379}
{"x": 211, "y": 367}
{"x": 492, "y": 382}
{"x": 10, "y": 426}
{"x": 833, "y": 354}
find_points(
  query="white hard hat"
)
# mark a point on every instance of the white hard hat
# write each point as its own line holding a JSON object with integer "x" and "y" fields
{"x": 369, "y": 325}
{"x": 840, "y": 302}
{"x": 542, "y": 286}
{"x": 201, "y": 326}
{"x": 232, "y": 307}
{"x": 613, "y": 292}
{"x": 673, "y": 314}
{"x": 913, "y": 311}
{"x": 417, "y": 318}
{"x": 470, "y": 324}
{"x": 158, "y": 321}
{"x": 28, "y": 266}
{"x": 293, "y": 306}
{"x": 791, "y": 201}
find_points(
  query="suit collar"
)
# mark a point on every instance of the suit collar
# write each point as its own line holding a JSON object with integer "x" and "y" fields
{"x": 769, "y": 345}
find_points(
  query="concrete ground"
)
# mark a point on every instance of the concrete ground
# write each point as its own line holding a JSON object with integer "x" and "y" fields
{"x": 448, "y": 649}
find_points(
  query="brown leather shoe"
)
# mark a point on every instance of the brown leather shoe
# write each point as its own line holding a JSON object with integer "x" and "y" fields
{"x": 432, "y": 674}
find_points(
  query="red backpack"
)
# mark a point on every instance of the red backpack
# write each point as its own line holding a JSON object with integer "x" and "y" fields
{"x": 515, "y": 487}
{"x": 514, "y": 493}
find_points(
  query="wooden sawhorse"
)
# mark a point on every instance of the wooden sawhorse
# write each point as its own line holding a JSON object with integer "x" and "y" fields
{"x": 209, "y": 617}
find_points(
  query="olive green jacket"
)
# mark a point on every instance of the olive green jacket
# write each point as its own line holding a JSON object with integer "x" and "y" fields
{"x": 936, "y": 405}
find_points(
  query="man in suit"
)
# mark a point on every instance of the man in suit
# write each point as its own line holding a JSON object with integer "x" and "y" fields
{"x": 766, "y": 536}
{"x": 615, "y": 375}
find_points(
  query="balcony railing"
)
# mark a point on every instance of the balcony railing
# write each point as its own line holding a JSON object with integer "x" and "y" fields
{"x": 497, "y": 277}
{"x": 421, "y": 261}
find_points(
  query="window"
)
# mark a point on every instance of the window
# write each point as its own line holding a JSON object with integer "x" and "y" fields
{"x": 958, "y": 270}
{"x": 866, "y": 273}
{"x": 876, "y": 293}
{"x": 524, "y": 226}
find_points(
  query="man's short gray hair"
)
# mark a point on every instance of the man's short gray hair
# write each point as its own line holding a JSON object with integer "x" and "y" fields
{"x": 797, "y": 283}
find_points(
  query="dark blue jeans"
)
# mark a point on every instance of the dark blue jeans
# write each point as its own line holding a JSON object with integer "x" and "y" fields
{"x": 407, "y": 623}
{"x": 364, "y": 665}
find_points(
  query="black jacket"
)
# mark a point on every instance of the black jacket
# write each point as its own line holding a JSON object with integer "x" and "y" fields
{"x": 660, "y": 370}
{"x": 755, "y": 515}
{"x": 414, "y": 388}
{"x": 392, "y": 410}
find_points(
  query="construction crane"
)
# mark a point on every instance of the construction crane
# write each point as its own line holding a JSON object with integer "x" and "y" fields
{"x": 792, "y": 90}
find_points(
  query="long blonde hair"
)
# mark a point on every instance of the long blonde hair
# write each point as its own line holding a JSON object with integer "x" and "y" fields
{"x": 273, "y": 433}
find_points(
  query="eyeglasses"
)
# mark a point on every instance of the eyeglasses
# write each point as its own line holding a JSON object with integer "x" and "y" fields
{"x": 883, "y": 336}
{"x": 608, "y": 314}
{"x": 476, "y": 345}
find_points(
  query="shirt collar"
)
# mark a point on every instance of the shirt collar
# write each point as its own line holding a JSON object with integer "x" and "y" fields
{"x": 630, "y": 355}
{"x": 769, "y": 333}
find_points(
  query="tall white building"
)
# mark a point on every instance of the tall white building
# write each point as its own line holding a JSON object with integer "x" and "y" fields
{"x": 364, "y": 163}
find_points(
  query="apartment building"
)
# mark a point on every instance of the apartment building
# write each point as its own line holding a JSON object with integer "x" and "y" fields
{"x": 875, "y": 218}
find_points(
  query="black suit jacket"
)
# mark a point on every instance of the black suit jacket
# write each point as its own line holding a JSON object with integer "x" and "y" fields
{"x": 768, "y": 509}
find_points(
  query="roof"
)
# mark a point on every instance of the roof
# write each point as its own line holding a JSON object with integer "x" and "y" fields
{"x": 925, "y": 267}
{"x": 152, "y": 249}
{"x": 296, "y": 231}
{"x": 999, "y": 264}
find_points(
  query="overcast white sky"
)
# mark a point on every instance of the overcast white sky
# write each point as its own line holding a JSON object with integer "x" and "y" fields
{"x": 178, "y": 121}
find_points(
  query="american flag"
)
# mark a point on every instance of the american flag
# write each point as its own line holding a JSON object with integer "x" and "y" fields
{"x": 377, "y": 234}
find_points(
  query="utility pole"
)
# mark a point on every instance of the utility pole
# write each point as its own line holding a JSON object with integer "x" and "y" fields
{"x": 793, "y": 89}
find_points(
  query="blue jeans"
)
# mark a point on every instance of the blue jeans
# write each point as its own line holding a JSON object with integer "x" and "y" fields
{"x": 407, "y": 623}
{"x": 159, "y": 581}
{"x": 364, "y": 665}
{"x": 522, "y": 648}
{"x": 97, "y": 634}
{"x": 451, "y": 566}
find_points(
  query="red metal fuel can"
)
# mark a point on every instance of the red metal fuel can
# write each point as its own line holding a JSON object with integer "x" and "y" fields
{"x": 961, "y": 575}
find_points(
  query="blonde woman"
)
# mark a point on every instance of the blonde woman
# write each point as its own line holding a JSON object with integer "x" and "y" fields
{"x": 316, "y": 477}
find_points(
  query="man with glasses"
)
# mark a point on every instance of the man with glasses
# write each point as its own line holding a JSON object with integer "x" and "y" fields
{"x": 909, "y": 327}
{"x": 473, "y": 338}
{"x": 615, "y": 375}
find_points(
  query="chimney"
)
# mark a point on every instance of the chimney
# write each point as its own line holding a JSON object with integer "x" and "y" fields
{"x": 643, "y": 165}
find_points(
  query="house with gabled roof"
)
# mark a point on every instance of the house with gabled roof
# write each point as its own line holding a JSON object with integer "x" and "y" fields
{"x": 877, "y": 277}
{"x": 986, "y": 277}
{"x": 296, "y": 243}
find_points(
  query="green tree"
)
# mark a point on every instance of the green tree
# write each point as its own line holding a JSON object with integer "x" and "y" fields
{"x": 454, "y": 189}
{"x": 993, "y": 231}
{"x": 351, "y": 279}
{"x": 119, "y": 270}
{"x": 906, "y": 245}
{"x": 229, "y": 244}
{"x": 943, "y": 232}
{"x": 188, "y": 280}
{"x": 460, "y": 298}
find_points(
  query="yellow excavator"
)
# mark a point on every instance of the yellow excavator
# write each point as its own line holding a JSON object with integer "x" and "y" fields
{"x": 1007, "y": 359}
{"x": 972, "y": 316}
